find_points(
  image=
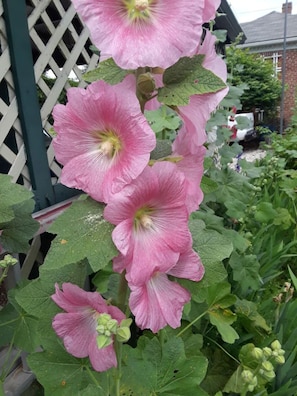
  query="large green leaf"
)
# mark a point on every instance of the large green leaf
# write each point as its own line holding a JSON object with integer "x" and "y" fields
{"x": 10, "y": 194}
{"x": 185, "y": 78}
{"x": 62, "y": 374}
{"x": 82, "y": 233}
{"x": 35, "y": 298}
{"x": 18, "y": 327}
{"x": 17, "y": 232}
{"x": 212, "y": 248}
{"x": 155, "y": 369}
{"x": 108, "y": 71}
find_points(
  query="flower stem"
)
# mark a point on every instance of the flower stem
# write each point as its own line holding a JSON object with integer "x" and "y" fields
{"x": 122, "y": 292}
{"x": 191, "y": 324}
{"x": 118, "y": 349}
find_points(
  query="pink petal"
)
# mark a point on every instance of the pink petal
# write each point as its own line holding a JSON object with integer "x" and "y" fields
{"x": 158, "y": 303}
{"x": 101, "y": 107}
{"x": 209, "y": 11}
{"x": 189, "y": 266}
{"x": 102, "y": 359}
{"x": 74, "y": 299}
{"x": 173, "y": 31}
{"x": 77, "y": 330}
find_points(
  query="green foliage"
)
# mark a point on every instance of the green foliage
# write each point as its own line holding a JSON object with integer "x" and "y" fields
{"x": 264, "y": 89}
{"x": 185, "y": 78}
{"x": 107, "y": 71}
{"x": 78, "y": 231}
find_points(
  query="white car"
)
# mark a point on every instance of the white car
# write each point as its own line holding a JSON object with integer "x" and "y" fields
{"x": 243, "y": 126}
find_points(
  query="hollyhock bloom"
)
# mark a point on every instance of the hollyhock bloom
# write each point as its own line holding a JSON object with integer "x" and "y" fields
{"x": 78, "y": 326}
{"x": 159, "y": 301}
{"x": 210, "y": 9}
{"x": 139, "y": 33}
{"x": 103, "y": 140}
{"x": 151, "y": 221}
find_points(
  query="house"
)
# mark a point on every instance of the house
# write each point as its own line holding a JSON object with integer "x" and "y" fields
{"x": 265, "y": 36}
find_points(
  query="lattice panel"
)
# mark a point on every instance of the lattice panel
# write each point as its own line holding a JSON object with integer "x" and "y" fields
{"x": 60, "y": 47}
{"x": 12, "y": 152}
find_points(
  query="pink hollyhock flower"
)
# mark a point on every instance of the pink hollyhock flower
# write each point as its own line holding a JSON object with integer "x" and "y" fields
{"x": 210, "y": 9}
{"x": 78, "y": 326}
{"x": 151, "y": 221}
{"x": 139, "y": 33}
{"x": 103, "y": 140}
{"x": 159, "y": 301}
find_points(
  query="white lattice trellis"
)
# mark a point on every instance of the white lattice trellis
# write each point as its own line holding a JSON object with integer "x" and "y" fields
{"x": 60, "y": 48}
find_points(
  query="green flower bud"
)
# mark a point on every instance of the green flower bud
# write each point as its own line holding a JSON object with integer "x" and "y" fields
{"x": 103, "y": 341}
{"x": 267, "y": 366}
{"x": 247, "y": 376}
{"x": 280, "y": 360}
{"x": 112, "y": 325}
{"x": 7, "y": 261}
{"x": 123, "y": 334}
{"x": 281, "y": 352}
{"x": 251, "y": 388}
{"x": 267, "y": 352}
{"x": 257, "y": 353}
{"x": 146, "y": 83}
{"x": 275, "y": 345}
{"x": 269, "y": 375}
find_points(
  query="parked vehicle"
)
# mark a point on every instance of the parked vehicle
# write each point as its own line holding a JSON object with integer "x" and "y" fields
{"x": 243, "y": 127}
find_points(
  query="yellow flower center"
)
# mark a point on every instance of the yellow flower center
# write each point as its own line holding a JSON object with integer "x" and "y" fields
{"x": 137, "y": 9}
{"x": 109, "y": 143}
{"x": 142, "y": 218}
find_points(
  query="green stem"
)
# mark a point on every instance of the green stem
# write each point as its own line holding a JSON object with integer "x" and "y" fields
{"x": 4, "y": 274}
{"x": 191, "y": 324}
{"x": 223, "y": 349}
{"x": 118, "y": 349}
{"x": 122, "y": 292}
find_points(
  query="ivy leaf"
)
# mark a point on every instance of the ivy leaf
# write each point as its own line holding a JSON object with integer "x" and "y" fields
{"x": 107, "y": 71}
{"x": 185, "y": 78}
{"x": 62, "y": 374}
{"x": 17, "y": 232}
{"x": 82, "y": 233}
{"x": 11, "y": 194}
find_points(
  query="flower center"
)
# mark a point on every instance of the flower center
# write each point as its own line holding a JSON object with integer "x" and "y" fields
{"x": 109, "y": 143}
{"x": 142, "y": 218}
{"x": 137, "y": 9}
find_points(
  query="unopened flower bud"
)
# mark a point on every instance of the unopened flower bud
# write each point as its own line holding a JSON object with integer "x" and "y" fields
{"x": 103, "y": 341}
{"x": 146, "y": 83}
{"x": 257, "y": 353}
{"x": 275, "y": 345}
{"x": 7, "y": 261}
{"x": 280, "y": 359}
{"x": 123, "y": 334}
{"x": 269, "y": 375}
{"x": 247, "y": 376}
{"x": 267, "y": 352}
{"x": 267, "y": 366}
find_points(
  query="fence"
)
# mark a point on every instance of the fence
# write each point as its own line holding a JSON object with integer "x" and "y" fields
{"x": 44, "y": 49}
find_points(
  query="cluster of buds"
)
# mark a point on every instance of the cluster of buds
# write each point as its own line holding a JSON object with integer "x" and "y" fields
{"x": 264, "y": 361}
{"x": 108, "y": 327}
{"x": 7, "y": 261}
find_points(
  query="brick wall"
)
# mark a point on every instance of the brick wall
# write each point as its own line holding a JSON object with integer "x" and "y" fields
{"x": 290, "y": 80}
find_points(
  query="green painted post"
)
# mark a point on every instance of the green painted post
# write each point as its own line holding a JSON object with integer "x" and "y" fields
{"x": 29, "y": 112}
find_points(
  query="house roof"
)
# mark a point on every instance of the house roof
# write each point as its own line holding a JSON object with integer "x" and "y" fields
{"x": 269, "y": 30}
{"x": 227, "y": 20}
